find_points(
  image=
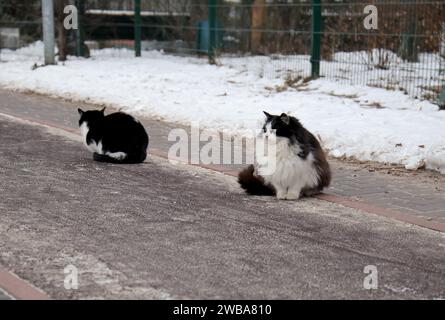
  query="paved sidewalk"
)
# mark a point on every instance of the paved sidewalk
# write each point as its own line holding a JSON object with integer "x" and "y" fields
{"x": 162, "y": 231}
{"x": 420, "y": 194}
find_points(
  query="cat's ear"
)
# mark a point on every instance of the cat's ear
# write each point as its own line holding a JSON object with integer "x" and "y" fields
{"x": 268, "y": 115}
{"x": 81, "y": 112}
{"x": 103, "y": 110}
{"x": 285, "y": 118}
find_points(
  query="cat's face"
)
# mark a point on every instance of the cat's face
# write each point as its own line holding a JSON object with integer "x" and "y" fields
{"x": 91, "y": 116}
{"x": 277, "y": 125}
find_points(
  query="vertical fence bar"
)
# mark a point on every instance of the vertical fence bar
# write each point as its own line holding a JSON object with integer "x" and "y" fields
{"x": 316, "y": 38}
{"x": 48, "y": 31}
{"x": 80, "y": 50}
{"x": 137, "y": 28}
{"x": 409, "y": 36}
{"x": 442, "y": 98}
{"x": 1, "y": 14}
{"x": 212, "y": 31}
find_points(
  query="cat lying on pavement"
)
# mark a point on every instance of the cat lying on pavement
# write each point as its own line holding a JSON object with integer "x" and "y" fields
{"x": 115, "y": 138}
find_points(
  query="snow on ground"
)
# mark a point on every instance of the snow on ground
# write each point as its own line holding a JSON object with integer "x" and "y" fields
{"x": 418, "y": 79}
{"x": 354, "y": 121}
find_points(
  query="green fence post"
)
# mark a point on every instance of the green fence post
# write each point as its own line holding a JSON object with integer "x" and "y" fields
{"x": 316, "y": 38}
{"x": 137, "y": 28}
{"x": 80, "y": 51}
{"x": 442, "y": 98}
{"x": 408, "y": 50}
{"x": 212, "y": 31}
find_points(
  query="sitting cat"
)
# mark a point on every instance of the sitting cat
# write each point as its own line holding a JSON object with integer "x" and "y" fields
{"x": 301, "y": 168}
{"x": 116, "y": 138}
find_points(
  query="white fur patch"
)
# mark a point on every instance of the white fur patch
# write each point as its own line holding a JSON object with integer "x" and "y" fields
{"x": 93, "y": 146}
{"x": 96, "y": 147}
{"x": 269, "y": 130}
{"x": 291, "y": 173}
{"x": 84, "y": 131}
{"x": 116, "y": 155}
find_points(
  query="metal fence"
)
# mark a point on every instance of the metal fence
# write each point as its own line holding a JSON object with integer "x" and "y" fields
{"x": 293, "y": 40}
{"x": 20, "y": 23}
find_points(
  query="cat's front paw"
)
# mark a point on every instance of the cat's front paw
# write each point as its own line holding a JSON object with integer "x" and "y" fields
{"x": 281, "y": 195}
{"x": 292, "y": 196}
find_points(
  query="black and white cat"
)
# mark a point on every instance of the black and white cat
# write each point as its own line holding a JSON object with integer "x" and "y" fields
{"x": 300, "y": 166}
{"x": 116, "y": 138}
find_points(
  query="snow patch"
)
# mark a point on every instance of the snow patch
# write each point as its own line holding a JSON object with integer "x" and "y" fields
{"x": 370, "y": 124}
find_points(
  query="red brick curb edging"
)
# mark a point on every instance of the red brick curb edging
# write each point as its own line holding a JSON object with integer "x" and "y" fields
{"x": 18, "y": 288}
{"x": 389, "y": 213}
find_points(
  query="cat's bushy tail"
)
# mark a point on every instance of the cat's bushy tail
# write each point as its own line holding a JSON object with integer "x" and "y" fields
{"x": 254, "y": 184}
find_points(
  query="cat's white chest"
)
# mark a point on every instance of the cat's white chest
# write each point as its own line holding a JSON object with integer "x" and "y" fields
{"x": 285, "y": 170}
{"x": 93, "y": 146}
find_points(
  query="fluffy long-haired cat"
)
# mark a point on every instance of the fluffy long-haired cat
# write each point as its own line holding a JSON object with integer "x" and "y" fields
{"x": 301, "y": 168}
{"x": 115, "y": 138}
